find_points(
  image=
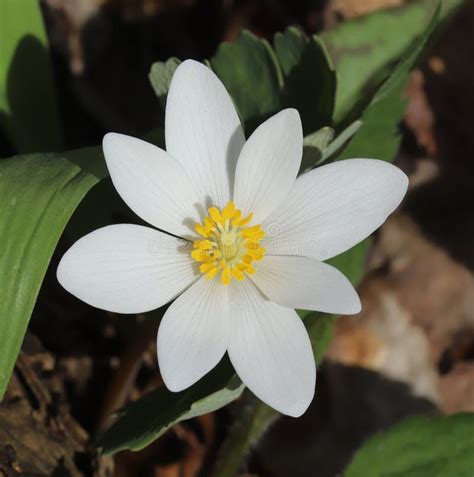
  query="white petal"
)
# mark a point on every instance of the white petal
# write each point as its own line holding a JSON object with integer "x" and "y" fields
{"x": 153, "y": 184}
{"x": 194, "y": 334}
{"x": 203, "y": 131}
{"x": 300, "y": 282}
{"x": 268, "y": 164}
{"x": 333, "y": 207}
{"x": 127, "y": 268}
{"x": 271, "y": 351}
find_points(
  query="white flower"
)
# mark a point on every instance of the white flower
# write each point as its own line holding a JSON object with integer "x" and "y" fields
{"x": 238, "y": 273}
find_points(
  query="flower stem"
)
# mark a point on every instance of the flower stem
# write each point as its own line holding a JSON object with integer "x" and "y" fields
{"x": 252, "y": 422}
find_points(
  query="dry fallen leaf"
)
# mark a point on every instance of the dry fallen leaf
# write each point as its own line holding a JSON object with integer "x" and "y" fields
{"x": 356, "y": 8}
{"x": 412, "y": 315}
{"x": 418, "y": 116}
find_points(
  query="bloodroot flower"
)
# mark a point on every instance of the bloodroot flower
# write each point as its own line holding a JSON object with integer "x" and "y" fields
{"x": 243, "y": 244}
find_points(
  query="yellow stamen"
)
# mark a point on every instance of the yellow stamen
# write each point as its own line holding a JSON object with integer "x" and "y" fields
{"x": 255, "y": 255}
{"x": 226, "y": 276}
{"x": 229, "y": 246}
{"x": 201, "y": 256}
{"x": 204, "y": 245}
{"x": 250, "y": 270}
{"x": 248, "y": 232}
{"x": 228, "y": 211}
{"x": 236, "y": 218}
{"x": 215, "y": 215}
{"x": 238, "y": 274}
{"x": 212, "y": 273}
{"x": 246, "y": 221}
{"x": 201, "y": 230}
{"x": 209, "y": 224}
{"x": 206, "y": 267}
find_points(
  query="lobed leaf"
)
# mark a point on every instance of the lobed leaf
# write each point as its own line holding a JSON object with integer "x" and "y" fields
{"x": 309, "y": 78}
{"x": 297, "y": 73}
{"x": 419, "y": 447}
{"x": 250, "y": 72}
{"x": 160, "y": 78}
{"x": 289, "y": 46}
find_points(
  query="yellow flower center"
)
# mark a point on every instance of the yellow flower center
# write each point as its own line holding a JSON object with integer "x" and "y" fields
{"x": 229, "y": 245}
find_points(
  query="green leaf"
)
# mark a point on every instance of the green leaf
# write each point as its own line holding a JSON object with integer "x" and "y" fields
{"x": 39, "y": 193}
{"x": 449, "y": 7}
{"x": 146, "y": 419}
{"x": 379, "y": 137}
{"x": 419, "y": 447}
{"x": 289, "y": 47}
{"x": 309, "y": 78}
{"x": 363, "y": 48}
{"x": 160, "y": 78}
{"x": 310, "y": 87}
{"x": 28, "y": 109}
{"x": 250, "y": 72}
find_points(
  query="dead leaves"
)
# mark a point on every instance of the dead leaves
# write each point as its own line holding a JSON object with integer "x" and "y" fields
{"x": 416, "y": 302}
{"x": 38, "y": 435}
